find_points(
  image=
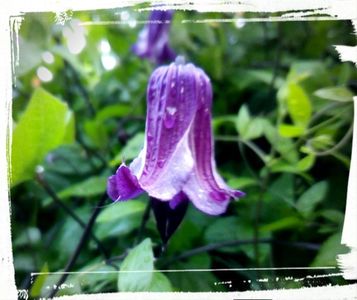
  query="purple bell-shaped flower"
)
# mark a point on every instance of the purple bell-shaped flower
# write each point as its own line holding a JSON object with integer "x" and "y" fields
{"x": 153, "y": 40}
{"x": 177, "y": 160}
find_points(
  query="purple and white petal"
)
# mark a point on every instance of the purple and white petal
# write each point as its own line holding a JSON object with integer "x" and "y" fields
{"x": 205, "y": 188}
{"x": 166, "y": 162}
{"x": 178, "y": 155}
{"x": 123, "y": 185}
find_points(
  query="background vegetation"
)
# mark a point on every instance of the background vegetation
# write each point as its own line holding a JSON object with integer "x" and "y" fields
{"x": 282, "y": 121}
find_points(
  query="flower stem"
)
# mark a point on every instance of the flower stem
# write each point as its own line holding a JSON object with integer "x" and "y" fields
{"x": 42, "y": 181}
{"x": 144, "y": 220}
{"x": 210, "y": 247}
{"x": 81, "y": 244}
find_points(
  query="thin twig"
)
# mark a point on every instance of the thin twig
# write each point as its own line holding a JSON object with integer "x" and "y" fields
{"x": 257, "y": 217}
{"x": 144, "y": 220}
{"x": 116, "y": 258}
{"x": 90, "y": 152}
{"x": 80, "y": 245}
{"x": 260, "y": 153}
{"x": 339, "y": 145}
{"x": 215, "y": 246}
{"x": 79, "y": 85}
{"x": 41, "y": 180}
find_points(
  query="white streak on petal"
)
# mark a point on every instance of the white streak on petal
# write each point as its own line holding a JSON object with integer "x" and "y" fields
{"x": 201, "y": 199}
{"x": 174, "y": 174}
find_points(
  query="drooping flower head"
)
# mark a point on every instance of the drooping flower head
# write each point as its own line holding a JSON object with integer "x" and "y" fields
{"x": 153, "y": 40}
{"x": 177, "y": 160}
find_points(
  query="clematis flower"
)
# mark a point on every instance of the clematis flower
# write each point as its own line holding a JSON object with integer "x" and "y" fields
{"x": 153, "y": 40}
{"x": 177, "y": 160}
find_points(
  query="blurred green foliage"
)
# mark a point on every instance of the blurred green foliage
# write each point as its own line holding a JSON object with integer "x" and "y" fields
{"x": 282, "y": 122}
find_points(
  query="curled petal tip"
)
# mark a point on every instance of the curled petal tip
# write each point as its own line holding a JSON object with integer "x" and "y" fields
{"x": 239, "y": 194}
{"x": 123, "y": 185}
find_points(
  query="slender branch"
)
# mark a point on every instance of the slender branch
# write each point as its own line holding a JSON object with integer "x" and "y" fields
{"x": 339, "y": 145}
{"x": 89, "y": 151}
{"x": 144, "y": 220}
{"x": 41, "y": 180}
{"x": 215, "y": 246}
{"x": 323, "y": 111}
{"x": 328, "y": 121}
{"x": 260, "y": 153}
{"x": 80, "y": 245}
{"x": 80, "y": 87}
{"x": 257, "y": 217}
{"x": 209, "y": 247}
{"x": 116, "y": 258}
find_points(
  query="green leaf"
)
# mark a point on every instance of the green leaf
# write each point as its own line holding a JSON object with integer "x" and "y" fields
{"x": 222, "y": 120}
{"x": 97, "y": 133}
{"x": 321, "y": 142}
{"x": 311, "y": 198}
{"x": 70, "y": 131}
{"x": 265, "y": 76}
{"x": 328, "y": 252}
{"x": 91, "y": 187}
{"x": 289, "y": 131}
{"x": 283, "y": 186}
{"x": 115, "y": 110}
{"x": 277, "y": 166}
{"x": 335, "y": 93}
{"x": 117, "y": 228}
{"x": 241, "y": 182}
{"x": 95, "y": 275}
{"x": 333, "y": 215}
{"x": 298, "y": 104}
{"x": 120, "y": 210}
{"x": 140, "y": 258}
{"x": 46, "y": 124}
{"x": 306, "y": 163}
{"x": 131, "y": 149}
{"x": 234, "y": 228}
{"x": 282, "y": 224}
{"x": 159, "y": 283}
{"x": 40, "y": 280}
{"x": 284, "y": 146}
{"x": 243, "y": 120}
{"x": 193, "y": 281}
{"x": 249, "y": 128}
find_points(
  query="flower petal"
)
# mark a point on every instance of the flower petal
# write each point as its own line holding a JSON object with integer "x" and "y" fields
{"x": 123, "y": 185}
{"x": 166, "y": 162}
{"x": 153, "y": 40}
{"x": 205, "y": 188}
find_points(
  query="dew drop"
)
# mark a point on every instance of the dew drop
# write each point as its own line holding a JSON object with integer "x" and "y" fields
{"x": 171, "y": 110}
{"x": 150, "y": 137}
{"x": 169, "y": 119}
{"x": 161, "y": 163}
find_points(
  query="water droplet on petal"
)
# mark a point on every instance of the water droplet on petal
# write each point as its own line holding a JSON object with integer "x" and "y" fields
{"x": 161, "y": 163}
{"x": 169, "y": 119}
{"x": 150, "y": 137}
{"x": 171, "y": 110}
